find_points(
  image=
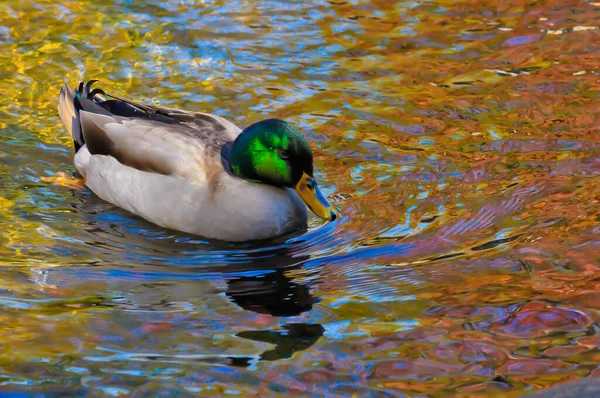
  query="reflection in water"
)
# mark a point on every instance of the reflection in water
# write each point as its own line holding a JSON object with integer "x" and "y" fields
{"x": 261, "y": 285}
{"x": 294, "y": 337}
{"x": 272, "y": 293}
{"x": 276, "y": 294}
{"x": 458, "y": 139}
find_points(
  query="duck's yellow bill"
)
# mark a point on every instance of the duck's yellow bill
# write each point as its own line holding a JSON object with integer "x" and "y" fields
{"x": 309, "y": 192}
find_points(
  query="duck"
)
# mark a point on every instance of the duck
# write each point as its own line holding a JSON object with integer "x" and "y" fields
{"x": 191, "y": 171}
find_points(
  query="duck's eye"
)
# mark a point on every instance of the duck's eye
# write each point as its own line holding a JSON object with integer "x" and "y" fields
{"x": 283, "y": 154}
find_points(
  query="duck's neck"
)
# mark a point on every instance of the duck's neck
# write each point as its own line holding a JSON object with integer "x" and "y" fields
{"x": 226, "y": 157}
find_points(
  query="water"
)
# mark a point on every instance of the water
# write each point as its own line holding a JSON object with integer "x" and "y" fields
{"x": 459, "y": 140}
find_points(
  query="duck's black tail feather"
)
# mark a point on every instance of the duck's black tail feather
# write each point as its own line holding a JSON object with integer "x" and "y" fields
{"x": 69, "y": 106}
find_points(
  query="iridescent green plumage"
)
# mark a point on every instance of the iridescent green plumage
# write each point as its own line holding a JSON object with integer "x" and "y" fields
{"x": 273, "y": 152}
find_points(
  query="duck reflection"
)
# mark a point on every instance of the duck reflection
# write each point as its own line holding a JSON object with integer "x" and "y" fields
{"x": 154, "y": 262}
{"x": 257, "y": 275}
{"x": 274, "y": 294}
{"x": 277, "y": 294}
{"x": 294, "y": 337}
{"x": 267, "y": 290}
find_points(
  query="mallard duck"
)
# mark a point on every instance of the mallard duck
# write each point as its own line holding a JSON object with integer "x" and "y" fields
{"x": 192, "y": 171}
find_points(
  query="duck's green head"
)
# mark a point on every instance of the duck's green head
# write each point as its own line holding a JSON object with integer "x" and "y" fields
{"x": 273, "y": 152}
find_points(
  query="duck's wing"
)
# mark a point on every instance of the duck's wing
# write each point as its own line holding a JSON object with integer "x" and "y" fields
{"x": 144, "y": 137}
{"x": 195, "y": 120}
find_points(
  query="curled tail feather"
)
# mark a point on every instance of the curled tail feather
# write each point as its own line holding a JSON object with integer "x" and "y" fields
{"x": 70, "y": 103}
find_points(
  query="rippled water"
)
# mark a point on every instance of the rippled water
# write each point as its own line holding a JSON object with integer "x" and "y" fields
{"x": 459, "y": 139}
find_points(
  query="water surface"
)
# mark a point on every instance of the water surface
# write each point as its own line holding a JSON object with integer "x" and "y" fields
{"x": 459, "y": 139}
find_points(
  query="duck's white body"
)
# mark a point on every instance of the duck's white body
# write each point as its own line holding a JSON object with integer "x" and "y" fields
{"x": 232, "y": 209}
{"x": 173, "y": 174}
